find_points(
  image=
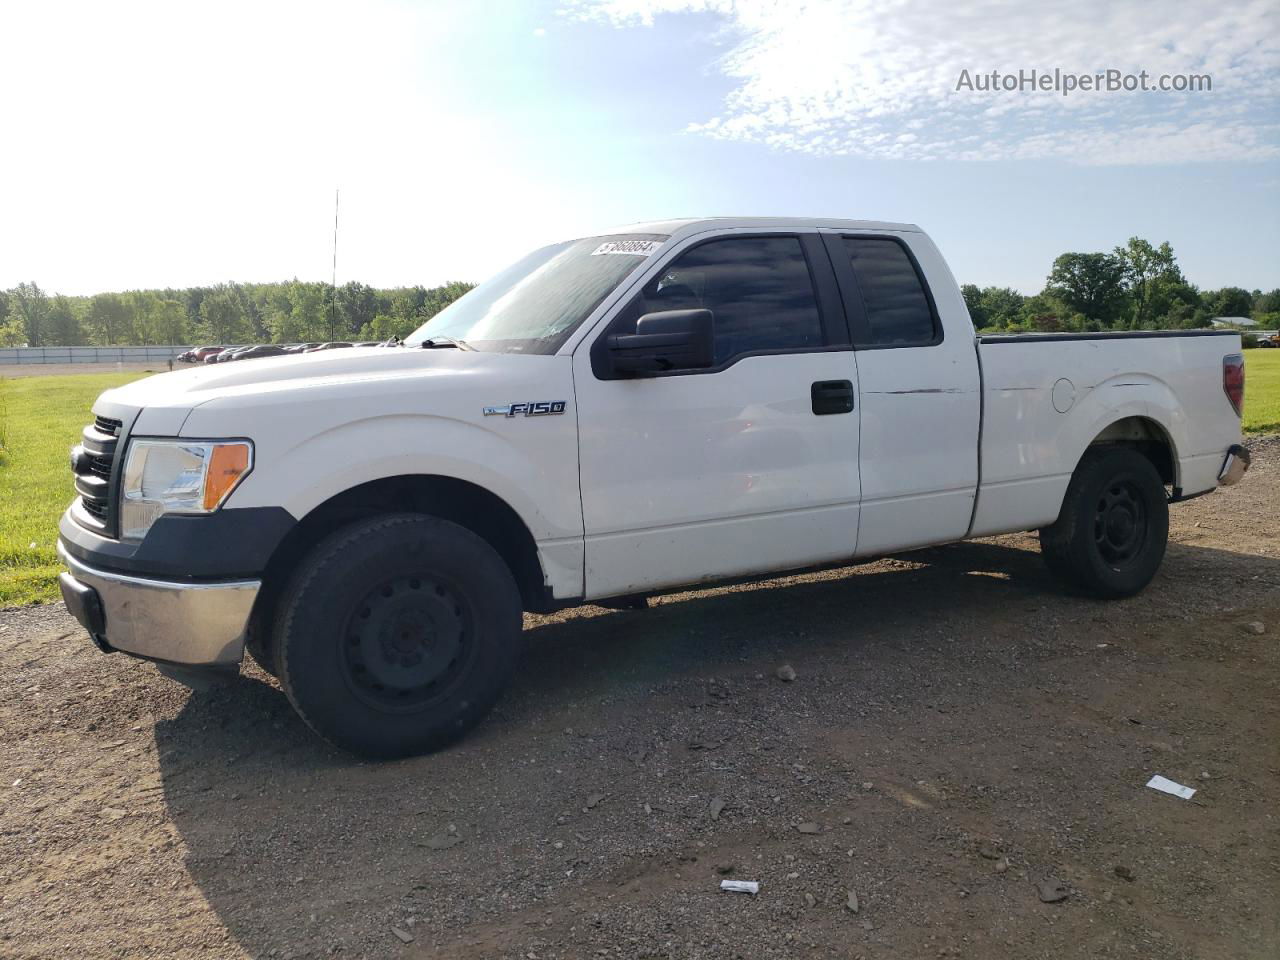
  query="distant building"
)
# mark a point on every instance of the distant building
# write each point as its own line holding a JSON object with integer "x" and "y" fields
{"x": 1233, "y": 322}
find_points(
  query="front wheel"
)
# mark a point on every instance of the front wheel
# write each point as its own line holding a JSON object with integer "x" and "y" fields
{"x": 1110, "y": 537}
{"x": 398, "y": 634}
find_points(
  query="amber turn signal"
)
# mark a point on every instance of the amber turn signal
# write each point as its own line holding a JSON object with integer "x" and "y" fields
{"x": 229, "y": 462}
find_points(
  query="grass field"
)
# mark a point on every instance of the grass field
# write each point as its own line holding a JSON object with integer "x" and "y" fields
{"x": 1262, "y": 391}
{"x": 43, "y": 417}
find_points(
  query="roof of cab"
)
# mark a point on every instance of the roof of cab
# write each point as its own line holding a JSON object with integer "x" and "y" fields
{"x": 683, "y": 227}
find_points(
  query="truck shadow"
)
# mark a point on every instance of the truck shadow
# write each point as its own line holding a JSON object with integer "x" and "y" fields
{"x": 289, "y": 840}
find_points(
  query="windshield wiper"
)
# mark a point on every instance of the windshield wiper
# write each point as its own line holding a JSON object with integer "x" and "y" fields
{"x": 436, "y": 343}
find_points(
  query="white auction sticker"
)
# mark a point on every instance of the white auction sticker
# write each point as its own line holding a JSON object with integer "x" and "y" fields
{"x": 634, "y": 248}
{"x": 1165, "y": 785}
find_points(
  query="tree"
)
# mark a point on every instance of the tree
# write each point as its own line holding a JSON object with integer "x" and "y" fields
{"x": 169, "y": 319}
{"x": 191, "y": 300}
{"x": 1146, "y": 269}
{"x": 277, "y": 314}
{"x": 357, "y": 306}
{"x": 139, "y": 308}
{"x": 1003, "y": 305}
{"x": 30, "y": 305}
{"x": 972, "y": 294}
{"x": 108, "y": 320}
{"x": 10, "y": 326}
{"x": 1044, "y": 313}
{"x": 1268, "y": 302}
{"x": 308, "y": 309}
{"x": 1091, "y": 284}
{"x": 222, "y": 318}
{"x": 992, "y": 308}
{"x": 63, "y": 324}
{"x": 1229, "y": 302}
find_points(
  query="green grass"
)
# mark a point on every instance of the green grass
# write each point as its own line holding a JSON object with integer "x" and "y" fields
{"x": 1262, "y": 391}
{"x": 43, "y": 419}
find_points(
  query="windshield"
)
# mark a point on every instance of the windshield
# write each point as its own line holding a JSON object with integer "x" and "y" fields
{"x": 535, "y": 304}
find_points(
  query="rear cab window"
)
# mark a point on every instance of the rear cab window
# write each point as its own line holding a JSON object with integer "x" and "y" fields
{"x": 897, "y": 309}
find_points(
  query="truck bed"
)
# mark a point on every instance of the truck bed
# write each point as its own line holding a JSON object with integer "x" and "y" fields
{"x": 1046, "y": 397}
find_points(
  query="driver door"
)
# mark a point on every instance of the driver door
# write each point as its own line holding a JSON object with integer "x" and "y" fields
{"x": 747, "y": 466}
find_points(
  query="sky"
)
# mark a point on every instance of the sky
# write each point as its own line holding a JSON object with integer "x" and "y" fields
{"x": 173, "y": 144}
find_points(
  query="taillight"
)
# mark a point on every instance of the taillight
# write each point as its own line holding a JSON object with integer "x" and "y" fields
{"x": 1233, "y": 380}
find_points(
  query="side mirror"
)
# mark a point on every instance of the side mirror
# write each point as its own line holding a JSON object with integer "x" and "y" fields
{"x": 668, "y": 340}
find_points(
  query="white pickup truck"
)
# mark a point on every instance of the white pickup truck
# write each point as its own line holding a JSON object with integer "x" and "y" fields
{"x": 661, "y": 405}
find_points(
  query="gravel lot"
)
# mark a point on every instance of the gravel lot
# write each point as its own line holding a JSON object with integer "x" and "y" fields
{"x": 958, "y": 731}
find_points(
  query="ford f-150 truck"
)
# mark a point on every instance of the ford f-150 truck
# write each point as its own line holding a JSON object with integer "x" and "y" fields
{"x": 662, "y": 405}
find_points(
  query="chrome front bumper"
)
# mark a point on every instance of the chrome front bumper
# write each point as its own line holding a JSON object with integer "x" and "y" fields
{"x": 193, "y": 624}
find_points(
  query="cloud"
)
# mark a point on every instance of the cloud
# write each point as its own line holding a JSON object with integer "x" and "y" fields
{"x": 843, "y": 77}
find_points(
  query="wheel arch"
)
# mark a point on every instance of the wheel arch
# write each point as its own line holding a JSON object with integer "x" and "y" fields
{"x": 1148, "y": 436}
{"x": 467, "y": 504}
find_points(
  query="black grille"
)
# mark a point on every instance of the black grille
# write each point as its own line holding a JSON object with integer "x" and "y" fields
{"x": 92, "y": 462}
{"x": 95, "y": 509}
{"x": 101, "y": 466}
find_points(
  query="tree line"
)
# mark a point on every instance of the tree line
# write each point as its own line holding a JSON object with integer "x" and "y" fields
{"x": 293, "y": 312}
{"x": 1138, "y": 286}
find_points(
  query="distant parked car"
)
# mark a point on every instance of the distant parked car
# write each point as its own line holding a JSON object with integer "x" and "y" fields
{"x": 223, "y": 355}
{"x": 260, "y": 350}
{"x": 299, "y": 347}
{"x": 201, "y": 354}
{"x": 335, "y": 345}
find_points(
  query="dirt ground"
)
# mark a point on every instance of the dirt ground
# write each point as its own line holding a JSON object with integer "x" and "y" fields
{"x": 959, "y": 730}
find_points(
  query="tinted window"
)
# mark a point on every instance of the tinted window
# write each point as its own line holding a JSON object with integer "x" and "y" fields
{"x": 897, "y": 307}
{"x": 758, "y": 288}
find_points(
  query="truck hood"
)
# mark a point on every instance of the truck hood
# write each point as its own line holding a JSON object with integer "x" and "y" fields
{"x": 326, "y": 377}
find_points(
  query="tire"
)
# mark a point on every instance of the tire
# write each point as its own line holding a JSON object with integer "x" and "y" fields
{"x": 1111, "y": 535}
{"x": 257, "y": 644}
{"x": 398, "y": 634}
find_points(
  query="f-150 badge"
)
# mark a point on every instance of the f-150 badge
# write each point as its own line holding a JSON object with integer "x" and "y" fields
{"x": 534, "y": 408}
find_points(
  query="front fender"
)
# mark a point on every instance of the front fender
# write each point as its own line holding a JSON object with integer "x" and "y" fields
{"x": 302, "y": 474}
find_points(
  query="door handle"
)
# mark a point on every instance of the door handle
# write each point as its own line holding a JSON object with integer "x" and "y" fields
{"x": 831, "y": 396}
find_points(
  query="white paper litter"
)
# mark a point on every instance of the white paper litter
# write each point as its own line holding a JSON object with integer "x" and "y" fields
{"x": 1168, "y": 786}
{"x": 740, "y": 886}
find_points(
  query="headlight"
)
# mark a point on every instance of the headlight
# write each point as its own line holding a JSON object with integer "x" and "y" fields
{"x": 178, "y": 476}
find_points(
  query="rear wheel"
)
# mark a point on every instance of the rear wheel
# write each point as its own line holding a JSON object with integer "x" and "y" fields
{"x": 398, "y": 635}
{"x": 1110, "y": 537}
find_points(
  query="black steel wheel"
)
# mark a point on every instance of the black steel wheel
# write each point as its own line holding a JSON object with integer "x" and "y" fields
{"x": 398, "y": 634}
{"x": 1120, "y": 523}
{"x": 1110, "y": 536}
{"x": 407, "y": 640}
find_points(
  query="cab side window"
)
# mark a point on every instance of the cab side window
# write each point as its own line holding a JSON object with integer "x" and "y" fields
{"x": 898, "y": 310}
{"x": 758, "y": 288}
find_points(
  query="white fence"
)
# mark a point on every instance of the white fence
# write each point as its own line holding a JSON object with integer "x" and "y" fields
{"x": 154, "y": 354}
